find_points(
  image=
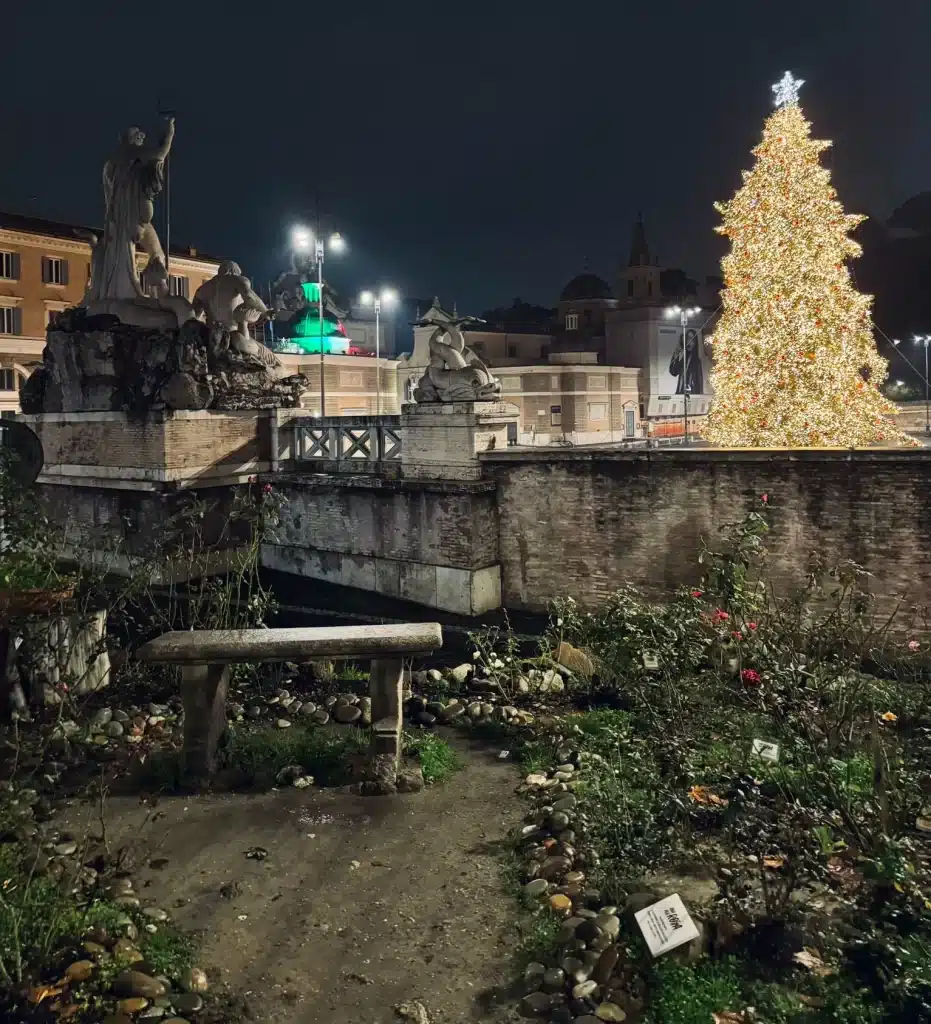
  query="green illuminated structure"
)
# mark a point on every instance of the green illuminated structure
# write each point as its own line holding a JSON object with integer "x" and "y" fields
{"x": 305, "y": 333}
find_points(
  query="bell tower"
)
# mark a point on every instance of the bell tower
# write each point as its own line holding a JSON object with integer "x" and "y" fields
{"x": 639, "y": 281}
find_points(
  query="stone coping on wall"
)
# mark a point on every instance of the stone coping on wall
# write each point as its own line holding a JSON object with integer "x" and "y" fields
{"x": 310, "y": 479}
{"x": 716, "y": 455}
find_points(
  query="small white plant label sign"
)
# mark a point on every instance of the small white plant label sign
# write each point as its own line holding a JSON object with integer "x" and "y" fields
{"x": 766, "y": 751}
{"x": 650, "y": 661}
{"x": 666, "y": 925}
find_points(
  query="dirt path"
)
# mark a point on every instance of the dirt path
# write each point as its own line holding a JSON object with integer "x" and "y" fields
{"x": 361, "y": 904}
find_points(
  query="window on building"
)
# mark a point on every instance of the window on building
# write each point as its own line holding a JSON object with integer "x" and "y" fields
{"x": 649, "y": 287}
{"x": 350, "y": 379}
{"x": 630, "y": 289}
{"x": 11, "y": 320}
{"x": 179, "y": 285}
{"x": 10, "y": 380}
{"x": 512, "y": 351}
{"x": 572, "y": 321}
{"x": 54, "y": 270}
{"x": 554, "y": 382}
{"x": 510, "y": 383}
{"x": 597, "y": 410}
{"x": 587, "y": 316}
{"x": 555, "y": 415}
{"x": 9, "y": 266}
{"x": 7, "y": 414}
{"x": 544, "y": 351}
{"x": 599, "y": 383}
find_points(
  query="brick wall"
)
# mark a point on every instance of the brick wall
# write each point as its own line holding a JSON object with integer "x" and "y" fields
{"x": 582, "y": 527}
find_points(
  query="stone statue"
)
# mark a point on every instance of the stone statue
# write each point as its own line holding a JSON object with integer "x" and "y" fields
{"x": 230, "y": 305}
{"x": 132, "y": 178}
{"x": 455, "y": 373}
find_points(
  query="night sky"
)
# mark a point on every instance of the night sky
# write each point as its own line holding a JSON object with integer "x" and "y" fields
{"x": 477, "y": 151}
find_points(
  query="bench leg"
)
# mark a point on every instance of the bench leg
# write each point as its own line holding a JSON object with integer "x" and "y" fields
{"x": 203, "y": 693}
{"x": 385, "y": 687}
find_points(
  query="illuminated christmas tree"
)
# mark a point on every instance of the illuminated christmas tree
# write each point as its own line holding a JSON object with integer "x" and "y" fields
{"x": 795, "y": 363}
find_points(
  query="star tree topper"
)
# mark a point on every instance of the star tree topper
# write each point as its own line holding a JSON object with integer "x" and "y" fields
{"x": 786, "y": 89}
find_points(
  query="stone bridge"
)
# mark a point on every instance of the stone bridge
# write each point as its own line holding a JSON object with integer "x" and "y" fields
{"x": 435, "y": 507}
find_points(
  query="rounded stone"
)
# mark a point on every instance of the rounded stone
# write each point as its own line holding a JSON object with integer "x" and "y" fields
{"x": 553, "y": 867}
{"x": 189, "y": 1002}
{"x": 559, "y": 820}
{"x": 609, "y": 924}
{"x": 537, "y": 887}
{"x": 610, "y": 1012}
{"x": 585, "y": 989}
{"x": 80, "y": 970}
{"x": 346, "y": 714}
{"x": 132, "y": 1005}
{"x": 560, "y": 903}
{"x": 135, "y": 983}
{"x": 606, "y": 964}
{"x": 537, "y": 1004}
{"x": 308, "y": 708}
{"x": 320, "y": 716}
{"x": 283, "y": 723}
{"x": 588, "y": 931}
{"x": 155, "y": 913}
{"x": 533, "y": 976}
{"x": 554, "y": 979}
{"x": 425, "y": 718}
{"x": 113, "y": 729}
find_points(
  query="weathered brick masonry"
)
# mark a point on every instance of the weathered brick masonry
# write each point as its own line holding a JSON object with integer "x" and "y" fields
{"x": 579, "y": 525}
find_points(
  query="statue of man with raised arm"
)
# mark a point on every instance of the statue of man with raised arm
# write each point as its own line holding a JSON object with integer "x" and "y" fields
{"x": 132, "y": 178}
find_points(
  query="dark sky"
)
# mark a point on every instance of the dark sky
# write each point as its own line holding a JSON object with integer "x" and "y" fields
{"x": 477, "y": 150}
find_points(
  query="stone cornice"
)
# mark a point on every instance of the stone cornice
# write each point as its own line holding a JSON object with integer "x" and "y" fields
{"x": 77, "y": 246}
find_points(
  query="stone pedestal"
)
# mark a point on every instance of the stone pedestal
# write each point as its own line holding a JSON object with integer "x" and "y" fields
{"x": 114, "y": 481}
{"x": 442, "y": 440}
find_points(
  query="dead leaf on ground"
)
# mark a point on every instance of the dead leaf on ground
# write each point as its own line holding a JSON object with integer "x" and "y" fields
{"x": 775, "y": 862}
{"x": 811, "y": 959}
{"x": 701, "y": 795}
{"x": 40, "y": 992}
{"x": 733, "y": 1017}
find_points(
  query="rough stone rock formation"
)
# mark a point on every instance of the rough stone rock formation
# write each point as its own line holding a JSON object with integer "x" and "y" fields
{"x": 98, "y": 364}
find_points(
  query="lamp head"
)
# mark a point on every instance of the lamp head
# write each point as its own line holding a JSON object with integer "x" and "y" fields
{"x": 337, "y": 242}
{"x": 366, "y": 298}
{"x": 301, "y": 238}
{"x": 389, "y": 296}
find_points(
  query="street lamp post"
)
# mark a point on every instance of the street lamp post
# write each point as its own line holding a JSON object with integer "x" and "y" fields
{"x": 374, "y": 299}
{"x": 925, "y": 339}
{"x": 684, "y": 315}
{"x": 302, "y": 239}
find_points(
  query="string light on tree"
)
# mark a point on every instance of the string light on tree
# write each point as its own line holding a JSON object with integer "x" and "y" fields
{"x": 795, "y": 363}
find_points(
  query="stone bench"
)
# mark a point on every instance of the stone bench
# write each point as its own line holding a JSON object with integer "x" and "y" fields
{"x": 206, "y": 654}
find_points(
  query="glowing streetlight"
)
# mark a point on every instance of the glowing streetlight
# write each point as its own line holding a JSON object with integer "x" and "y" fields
{"x": 389, "y": 297}
{"x": 683, "y": 315}
{"x": 302, "y": 239}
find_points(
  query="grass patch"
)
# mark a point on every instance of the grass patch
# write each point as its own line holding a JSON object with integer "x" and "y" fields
{"x": 683, "y": 994}
{"x": 169, "y": 952}
{"x": 438, "y": 760}
{"x": 258, "y": 755}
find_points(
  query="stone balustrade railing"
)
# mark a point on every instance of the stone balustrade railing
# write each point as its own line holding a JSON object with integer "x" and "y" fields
{"x": 205, "y": 657}
{"x": 361, "y": 444}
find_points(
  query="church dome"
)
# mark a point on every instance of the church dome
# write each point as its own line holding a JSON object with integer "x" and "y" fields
{"x": 585, "y": 286}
